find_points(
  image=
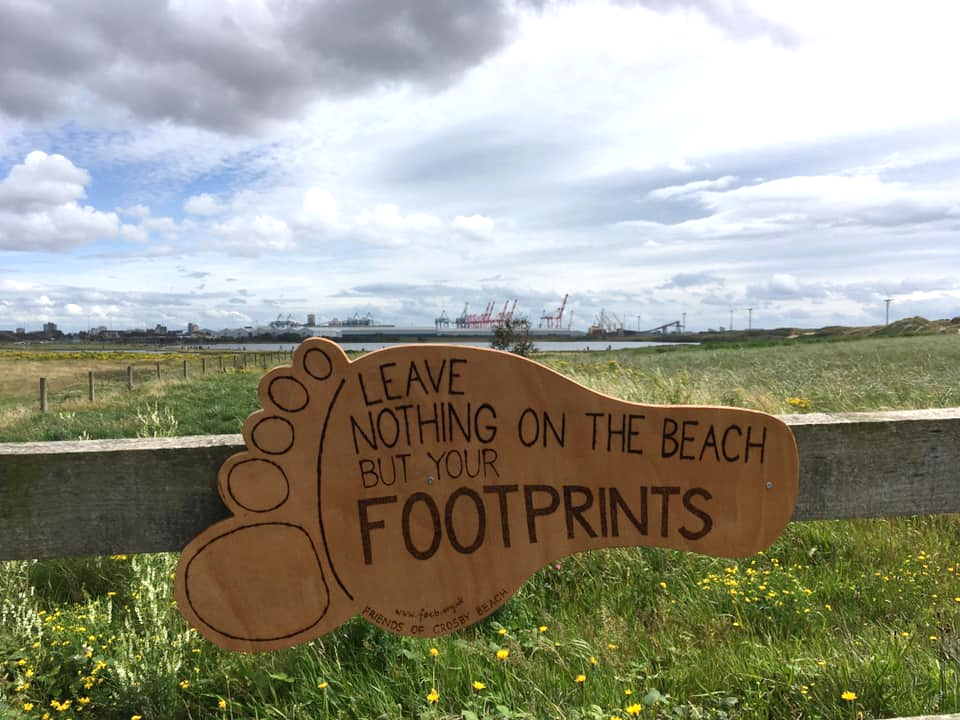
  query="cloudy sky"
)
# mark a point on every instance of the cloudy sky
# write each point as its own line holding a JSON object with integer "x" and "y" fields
{"x": 229, "y": 163}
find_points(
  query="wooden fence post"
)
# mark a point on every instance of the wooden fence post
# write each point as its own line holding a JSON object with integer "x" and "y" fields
{"x": 203, "y": 366}
{"x": 90, "y": 395}
{"x": 158, "y": 372}
{"x": 220, "y": 358}
{"x": 129, "y": 377}
{"x": 184, "y": 369}
{"x": 43, "y": 395}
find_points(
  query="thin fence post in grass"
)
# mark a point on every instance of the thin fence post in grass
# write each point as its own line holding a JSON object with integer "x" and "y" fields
{"x": 43, "y": 395}
{"x": 129, "y": 377}
{"x": 184, "y": 369}
{"x": 203, "y": 366}
{"x": 158, "y": 372}
{"x": 220, "y": 359}
{"x": 91, "y": 395}
{"x": 244, "y": 361}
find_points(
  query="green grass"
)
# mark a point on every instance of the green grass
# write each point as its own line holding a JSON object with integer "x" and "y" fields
{"x": 865, "y": 607}
{"x": 863, "y": 374}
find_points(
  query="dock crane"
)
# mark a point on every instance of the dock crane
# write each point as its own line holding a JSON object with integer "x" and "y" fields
{"x": 555, "y": 319}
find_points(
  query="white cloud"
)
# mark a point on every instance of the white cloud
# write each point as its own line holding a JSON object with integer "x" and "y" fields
{"x": 827, "y": 201}
{"x": 203, "y": 204}
{"x": 227, "y": 317}
{"x": 261, "y": 233}
{"x": 73, "y": 309}
{"x": 42, "y": 181}
{"x": 138, "y": 211}
{"x": 386, "y": 226}
{"x": 476, "y": 225}
{"x": 691, "y": 188}
{"x": 38, "y": 208}
{"x": 386, "y": 216}
{"x": 163, "y": 225}
{"x": 134, "y": 233}
{"x": 320, "y": 209}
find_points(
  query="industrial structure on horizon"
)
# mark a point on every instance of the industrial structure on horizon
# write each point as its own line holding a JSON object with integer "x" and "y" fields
{"x": 556, "y": 322}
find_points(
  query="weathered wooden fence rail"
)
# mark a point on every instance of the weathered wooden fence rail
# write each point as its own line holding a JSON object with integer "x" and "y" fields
{"x": 100, "y": 497}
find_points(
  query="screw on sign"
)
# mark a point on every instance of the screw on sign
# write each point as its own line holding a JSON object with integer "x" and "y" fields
{"x": 420, "y": 486}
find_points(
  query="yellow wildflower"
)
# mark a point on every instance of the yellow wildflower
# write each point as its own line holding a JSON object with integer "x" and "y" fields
{"x": 184, "y": 684}
{"x": 478, "y": 686}
{"x": 581, "y": 678}
{"x": 136, "y": 717}
{"x": 222, "y": 704}
{"x": 848, "y": 695}
{"x": 593, "y": 660}
{"x": 27, "y": 707}
{"x": 634, "y": 709}
{"x": 502, "y": 631}
{"x": 503, "y": 654}
{"x": 434, "y": 652}
{"x": 543, "y": 628}
{"x": 83, "y": 700}
{"x": 433, "y": 696}
{"x": 323, "y": 685}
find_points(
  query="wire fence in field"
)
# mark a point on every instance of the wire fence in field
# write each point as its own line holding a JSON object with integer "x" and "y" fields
{"x": 139, "y": 374}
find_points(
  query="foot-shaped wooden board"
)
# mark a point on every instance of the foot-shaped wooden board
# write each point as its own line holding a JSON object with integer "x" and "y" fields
{"x": 420, "y": 486}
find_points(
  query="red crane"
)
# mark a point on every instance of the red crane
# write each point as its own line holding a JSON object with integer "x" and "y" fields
{"x": 505, "y": 315}
{"x": 555, "y": 319}
{"x": 485, "y": 319}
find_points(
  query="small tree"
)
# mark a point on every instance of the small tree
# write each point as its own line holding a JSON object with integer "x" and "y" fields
{"x": 513, "y": 336}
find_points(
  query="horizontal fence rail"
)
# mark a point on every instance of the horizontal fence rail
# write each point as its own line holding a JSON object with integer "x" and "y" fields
{"x": 104, "y": 497}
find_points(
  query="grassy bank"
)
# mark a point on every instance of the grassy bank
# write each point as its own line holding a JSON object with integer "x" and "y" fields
{"x": 836, "y": 620}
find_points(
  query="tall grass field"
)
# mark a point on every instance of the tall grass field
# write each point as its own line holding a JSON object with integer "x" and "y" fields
{"x": 840, "y": 619}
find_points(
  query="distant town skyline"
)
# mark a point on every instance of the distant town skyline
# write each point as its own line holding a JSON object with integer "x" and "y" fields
{"x": 774, "y": 164}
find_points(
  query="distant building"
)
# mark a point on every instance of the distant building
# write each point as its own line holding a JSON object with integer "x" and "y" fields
{"x": 312, "y": 320}
{"x": 21, "y": 331}
{"x": 50, "y": 328}
{"x": 193, "y": 328}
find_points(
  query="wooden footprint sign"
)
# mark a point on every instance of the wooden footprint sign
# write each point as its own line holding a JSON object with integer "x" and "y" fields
{"x": 420, "y": 486}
